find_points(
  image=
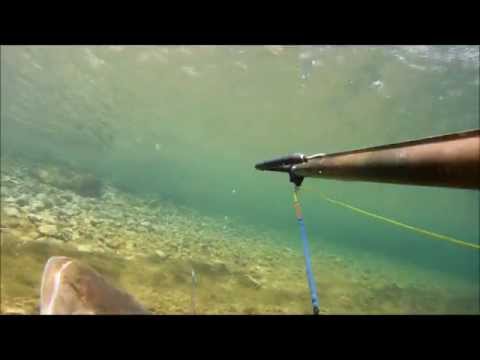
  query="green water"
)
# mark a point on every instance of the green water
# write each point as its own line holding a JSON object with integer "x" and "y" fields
{"x": 187, "y": 124}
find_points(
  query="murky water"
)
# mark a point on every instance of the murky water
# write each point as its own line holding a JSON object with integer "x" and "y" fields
{"x": 139, "y": 161}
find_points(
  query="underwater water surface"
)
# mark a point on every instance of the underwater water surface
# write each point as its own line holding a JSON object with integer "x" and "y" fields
{"x": 139, "y": 160}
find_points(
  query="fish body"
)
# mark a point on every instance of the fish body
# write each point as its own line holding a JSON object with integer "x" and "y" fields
{"x": 70, "y": 287}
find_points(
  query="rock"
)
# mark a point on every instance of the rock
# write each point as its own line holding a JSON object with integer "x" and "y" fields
{"x": 11, "y": 211}
{"x": 58, "y": 201}
{"x": 250, "y": 310}
{"x": 259, "y": 270}
{"x": 161, "y": 254}
{"x": 41, "y": 197}
{"x": 145, "y": 224}
{"x": 68, "y": 212}
{"x": 116, "y": 215}
{"x": 250, "y": 281}
{"x": 49, "y": 230}
{"x": 113, "y": 243}
{"x": 34, "y": 218}
{"x": 49, "y": 240}
{"x": 337, "y": 260}
{"x": 364, "y": 276}
{"x": 10, "y": 200}
{"x": 95, "y": 222}
{"x": 13, "y": 232}
{"x": 130, "y": 245}
{"x": 37, "y": 205}
{"x": 66, "y": 197}
{"x": 83, "y": 184}
{"x": 48, "y": 203}
{"x": 30, "y": 236}
{"x": 10, "y": 180}
{"x": 75, "y": 235}
{"x": 49, "y": 218}
{"x": 65, "y": 235}
{"x": 13, "y": 311}
{"x": 11, "y": 222}
{"x": 220, "y": 266}
{"x": 85, "y": 248}
{"x": 22, "y": 201}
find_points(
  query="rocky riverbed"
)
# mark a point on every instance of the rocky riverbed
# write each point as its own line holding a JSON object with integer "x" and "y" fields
{"x": 149, "y": 247}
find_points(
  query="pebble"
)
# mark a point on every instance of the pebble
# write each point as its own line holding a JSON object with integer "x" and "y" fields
{"x": 146, "y": 224}
{"x": 66, "y": 235}
{"x": 37, "y": 205}
{"x": 251, "y": 281}
{"x": 11, "y": 211}
{"x": 49, "y": 219}
{"x": 41, "y": 196}
{"x": 49, "y": 230}
{"x": 95, "y": 222}
{"x": 29, "y": 237}
{"x": 160, "y": 254}
{"x": 34, "y": 218}
{"x": 130, "y": 245}
{"x": 49, "y": 240}
{"x": 66, "y": 197}
{"x": 113, "y": 243}
{"x": 258, "y": 269}
{"x": 14, "y": 311}
{"x": 67, "y": 212}
{"x": 85, "y": 248}
{"x": 22, "y": 201}
{"x": 75, "y": 235}
{"x": 11, "y": 222}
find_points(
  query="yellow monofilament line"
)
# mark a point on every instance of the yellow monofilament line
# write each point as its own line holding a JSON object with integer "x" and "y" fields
{"x": 397, "y": 223}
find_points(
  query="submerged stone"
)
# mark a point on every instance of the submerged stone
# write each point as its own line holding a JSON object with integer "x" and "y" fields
{"x": 251, "y": 282}
{"x": 49, "y": 240}
{"x": 11, "y": 310}
{"x": 30, "y": 236}
{"x": 113, "y": 243}
{"x": 83, "y": 184}
{"x": 22, "y": 201}
{"x": 160, "y": 254}
{"x": 49, "y": 230}
{"x": 85, "y": 248}
{"x": 11, "y": 211}
{"x": 37, "y": 205}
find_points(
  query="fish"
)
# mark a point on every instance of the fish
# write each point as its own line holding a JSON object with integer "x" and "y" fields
{"x": 70, "y": 287}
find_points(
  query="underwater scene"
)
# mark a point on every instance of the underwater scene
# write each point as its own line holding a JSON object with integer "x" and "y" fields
{"x": 136, "y": 166}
